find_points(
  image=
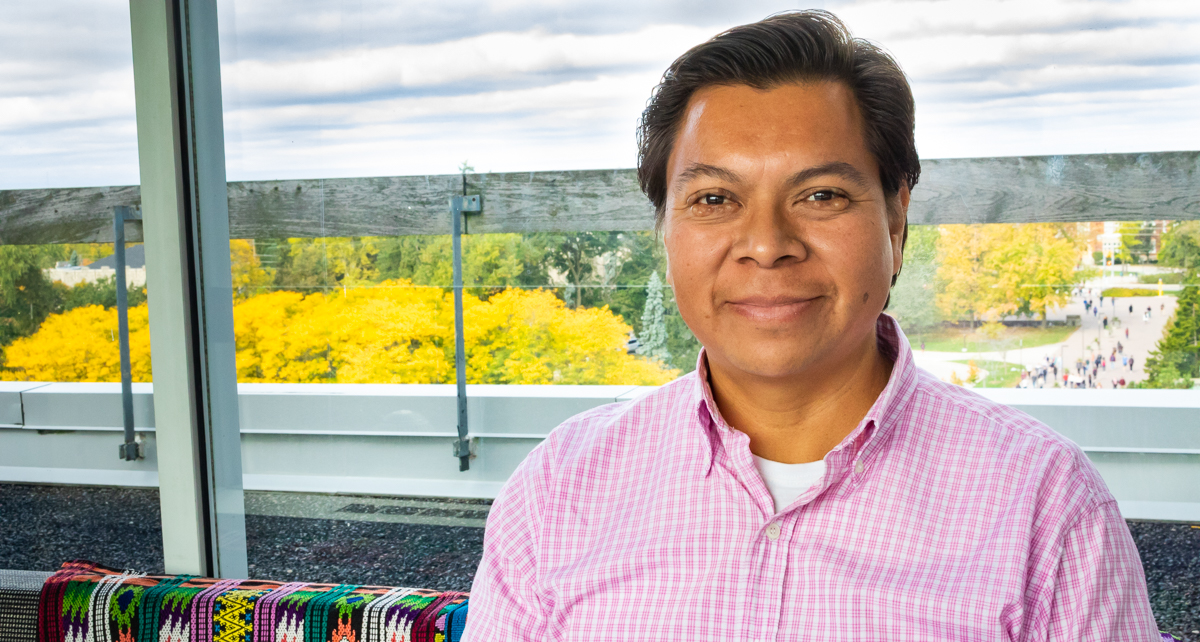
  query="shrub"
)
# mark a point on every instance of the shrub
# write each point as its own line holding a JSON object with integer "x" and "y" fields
{"x": 1123, "y": 292}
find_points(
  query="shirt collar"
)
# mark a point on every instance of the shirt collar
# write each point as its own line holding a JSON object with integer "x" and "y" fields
{"x": 864, "y": 442}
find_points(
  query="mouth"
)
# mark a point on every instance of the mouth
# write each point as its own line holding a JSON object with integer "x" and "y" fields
{"x": 771, "y": 309}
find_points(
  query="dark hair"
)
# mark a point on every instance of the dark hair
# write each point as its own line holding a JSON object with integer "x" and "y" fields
{"x": 802, "y": 46}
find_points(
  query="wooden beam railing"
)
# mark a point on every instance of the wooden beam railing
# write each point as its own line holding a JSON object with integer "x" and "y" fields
{"x": 1019, "y": 189}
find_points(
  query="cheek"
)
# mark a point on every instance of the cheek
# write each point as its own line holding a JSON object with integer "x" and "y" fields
{"x": 694, "y": 261}
{"x": 861, "y": 256}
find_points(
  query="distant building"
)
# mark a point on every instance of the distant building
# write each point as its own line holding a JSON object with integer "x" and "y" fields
{"x": 105, "y": 268}
{"x": 1105, "y": 237}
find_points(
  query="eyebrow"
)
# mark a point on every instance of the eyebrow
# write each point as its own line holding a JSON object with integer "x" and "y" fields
{"x": 696, "y": 170}
{"x": 835, "y": 168}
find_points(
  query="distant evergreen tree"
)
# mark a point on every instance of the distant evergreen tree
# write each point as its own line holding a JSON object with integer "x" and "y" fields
{"x": 1176, "y": 361}
{"x": 653, "y": 342}
{"x": 913, "y": 299}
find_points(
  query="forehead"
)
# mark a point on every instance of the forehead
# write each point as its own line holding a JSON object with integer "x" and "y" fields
{"x": 788, "y": 125}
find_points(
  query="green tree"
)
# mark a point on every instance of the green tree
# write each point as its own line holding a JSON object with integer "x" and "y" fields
{"x": 574, "y": 255}
{"x": 491, "y": 262}
{"x": 652, "y": 342}
{"x": 627, "y": 268}
{"x": 628, "y": 265}
{"x": 1136, "y": 241}
{"x": 400, "y": 256}
{"x": 913, "y": 297}
{"x": 26, "y": 295}
{"x": 102, "y": 292}
{"x": 1181, "y": 245}
{"x": 322, "y": 263}
{"x": 1174, "y": 363}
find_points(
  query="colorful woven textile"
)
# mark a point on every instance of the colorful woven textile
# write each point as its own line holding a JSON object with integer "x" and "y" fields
{"x": 87, "y": 602}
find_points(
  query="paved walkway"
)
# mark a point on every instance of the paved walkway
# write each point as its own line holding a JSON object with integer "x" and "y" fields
{"x": 1091, "y": 339}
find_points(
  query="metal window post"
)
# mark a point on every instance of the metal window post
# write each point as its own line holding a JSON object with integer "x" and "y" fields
{"x": 130, "y": 450}
{"x": 185, "y": 210}
{"x": 459, "y": 205}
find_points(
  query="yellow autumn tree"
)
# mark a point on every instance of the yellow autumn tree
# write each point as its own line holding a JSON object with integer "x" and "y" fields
{"x": 249, "y": 276}
{"x": 989, "y": 271}
{"x": 391, "y": 333}
{"x": 398, "y": 333}
{"x": 80, "y": 345}
{"x": 385, "y": 334}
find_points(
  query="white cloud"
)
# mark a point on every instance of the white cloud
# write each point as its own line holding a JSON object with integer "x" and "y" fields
{"x": 490, "y": 58}
{"x": 400, "y": 87}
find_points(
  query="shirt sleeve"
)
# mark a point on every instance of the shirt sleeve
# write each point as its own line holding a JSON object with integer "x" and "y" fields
{"x": 1100, "y": 587}
{"x": 504, "y": 603}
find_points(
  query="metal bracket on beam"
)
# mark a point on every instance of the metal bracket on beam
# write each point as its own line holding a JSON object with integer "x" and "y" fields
{"x": 459, "y": 205}
{"x": 130, "y": 450}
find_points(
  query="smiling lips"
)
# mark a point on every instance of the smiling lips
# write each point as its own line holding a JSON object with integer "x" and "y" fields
{"x": 771, "y": 309}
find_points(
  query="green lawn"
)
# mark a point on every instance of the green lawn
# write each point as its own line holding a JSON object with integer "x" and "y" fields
{"x": 952, "y": 339}
{"x": 1001, "y": 374}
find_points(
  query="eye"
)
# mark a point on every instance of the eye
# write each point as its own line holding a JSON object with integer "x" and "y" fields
{"x": 826, "y": 199}
{"x": 713, "y": 199}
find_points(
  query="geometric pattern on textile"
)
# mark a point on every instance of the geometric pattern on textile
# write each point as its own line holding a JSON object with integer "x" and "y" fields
{"x": 87, "y": 602}
{"x": 233, "y": 615}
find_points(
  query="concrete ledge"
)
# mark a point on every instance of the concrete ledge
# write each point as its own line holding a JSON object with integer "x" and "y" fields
{"x": 374, "y": 486}
{"x": 381, "y": 439}
{"x": 1160, "y": 511}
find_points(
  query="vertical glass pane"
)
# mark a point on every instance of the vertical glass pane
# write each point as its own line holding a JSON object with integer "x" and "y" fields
{"x": 351, "y": 127}
{"x": 68, "y": 153}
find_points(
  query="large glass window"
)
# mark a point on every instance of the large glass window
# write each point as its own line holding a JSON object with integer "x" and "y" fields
{"x": 348, "y": 129}
{"x": 68, "y": 155}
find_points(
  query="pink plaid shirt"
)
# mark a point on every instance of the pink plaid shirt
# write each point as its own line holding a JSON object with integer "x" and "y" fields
{"x": 942, "y": 516}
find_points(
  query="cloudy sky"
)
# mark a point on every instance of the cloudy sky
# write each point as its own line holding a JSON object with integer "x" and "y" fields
{"x": 392, "y": 87}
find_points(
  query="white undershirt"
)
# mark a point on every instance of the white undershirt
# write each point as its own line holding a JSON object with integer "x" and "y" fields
{"x": 788, "y": 481}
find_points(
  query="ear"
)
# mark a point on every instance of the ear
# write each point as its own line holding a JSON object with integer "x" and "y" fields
{"x": 667, "y": 276}
{"x": 898, "y": 227}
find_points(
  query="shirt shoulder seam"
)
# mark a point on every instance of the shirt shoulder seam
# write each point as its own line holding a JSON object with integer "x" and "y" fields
{"x": 1027, "y": 426}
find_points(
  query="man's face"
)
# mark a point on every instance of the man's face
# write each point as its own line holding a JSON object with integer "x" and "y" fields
{"x": 779, "y": 244}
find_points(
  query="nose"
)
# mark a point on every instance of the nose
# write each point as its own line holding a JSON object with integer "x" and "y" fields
{"x": 768, "y": 239}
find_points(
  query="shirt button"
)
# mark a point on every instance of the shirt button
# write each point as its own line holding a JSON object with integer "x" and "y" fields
{"x": 858, "y": 467}
{"x": 773, "y": 531}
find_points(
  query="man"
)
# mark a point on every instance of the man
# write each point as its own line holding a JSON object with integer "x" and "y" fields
{"x": 807, "y": 481}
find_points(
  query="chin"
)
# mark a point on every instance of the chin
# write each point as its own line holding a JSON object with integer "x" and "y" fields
{"x": 771, "y": 360}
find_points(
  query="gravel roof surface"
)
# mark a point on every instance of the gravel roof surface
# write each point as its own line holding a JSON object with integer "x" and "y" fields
{"x": 44, "y": 526}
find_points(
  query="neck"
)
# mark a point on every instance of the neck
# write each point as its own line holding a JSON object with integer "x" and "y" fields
{"x": 802, "y": 416}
